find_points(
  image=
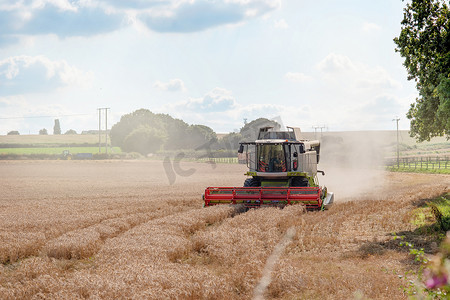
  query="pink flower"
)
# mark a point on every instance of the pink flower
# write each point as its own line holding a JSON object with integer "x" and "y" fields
{"x": 436, "y": 281}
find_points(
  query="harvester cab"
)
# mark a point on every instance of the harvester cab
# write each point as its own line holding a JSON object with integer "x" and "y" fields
{"x": 282, "y": 171}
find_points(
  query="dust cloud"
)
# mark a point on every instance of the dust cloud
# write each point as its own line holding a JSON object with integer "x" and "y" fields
{"x": 353, "y": 163}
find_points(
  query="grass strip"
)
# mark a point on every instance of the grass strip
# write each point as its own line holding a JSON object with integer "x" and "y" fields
{"x": 57, "y": 150}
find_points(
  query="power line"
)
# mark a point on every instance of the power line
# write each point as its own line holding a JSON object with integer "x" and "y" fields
{"x": 321, "y": 127}
{"x": 35, "y": 117}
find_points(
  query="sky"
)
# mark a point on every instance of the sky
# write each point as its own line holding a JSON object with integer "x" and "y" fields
{"x": 310, "y": 64}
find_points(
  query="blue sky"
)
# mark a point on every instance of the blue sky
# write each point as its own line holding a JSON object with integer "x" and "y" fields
{"x": 214, "y": 62}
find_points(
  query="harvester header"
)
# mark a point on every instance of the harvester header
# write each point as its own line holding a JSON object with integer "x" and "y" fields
{"x": 282, "y": 171}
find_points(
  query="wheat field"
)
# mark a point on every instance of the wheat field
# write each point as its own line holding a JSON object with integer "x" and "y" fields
{"x": 120, "y": 230}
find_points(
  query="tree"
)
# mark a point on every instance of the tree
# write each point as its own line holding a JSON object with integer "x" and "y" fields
{"x": 424, "y": 42}
{"x": 13, "y": 132}
{"x": 199, "y": 135}
{"x": 144, "y": 140}
{"x": 57, "y": 127}
{"x": 70, "y": 131}
{"x": 176, "y": 131}
{"x": 130, "y": 122}
{"x": 43, "y": 131}
{"x": 250, "y": 130}
{"x": 177, "y": 134}
{"x": 230, "y": 141}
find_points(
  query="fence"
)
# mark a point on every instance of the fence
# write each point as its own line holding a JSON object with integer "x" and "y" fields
{"x": 226, "y": 160}
{"x": 428, "y": 163}
{"x": 415, "y": 163}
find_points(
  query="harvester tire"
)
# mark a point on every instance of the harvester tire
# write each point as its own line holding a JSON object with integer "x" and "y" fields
{"x": 251, "y": 182}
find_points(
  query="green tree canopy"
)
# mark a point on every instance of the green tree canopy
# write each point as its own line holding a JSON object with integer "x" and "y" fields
{"x": 70, "y": 131}
{"x": 248, "y": 133}
{"x": 144, "y": 140}
{"x": 424, "y": 42}
{"x": 199, "y": 135}
{"x": 13, "y": 132}
{"x": 230, "y": 141}
{"x": 43, "y": 131}
{"x": 175, "y": 133}
{"x": 57, "y": 127}
{"x": 139, "y": 118}
{"x": 250, "y": 130}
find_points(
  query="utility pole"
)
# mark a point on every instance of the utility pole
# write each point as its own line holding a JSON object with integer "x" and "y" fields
{"x": 321, "y": 127}
{"x": 398, "y": 152}
{"x": 106, "y": 128}
{"x": 99, "y": 128}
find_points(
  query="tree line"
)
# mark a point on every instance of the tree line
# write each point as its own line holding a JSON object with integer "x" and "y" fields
{"x": 43, "y": 131}
{"x": 145, "y": 132}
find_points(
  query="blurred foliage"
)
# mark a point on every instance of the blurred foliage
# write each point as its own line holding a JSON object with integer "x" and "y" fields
{"x": 143, "y": 140}
{"x": 250, "y": 130}
{"x": 70, "y": 131}
{"x": 432, "y": 275}
{"x": 441, "y": 211}
{"x": 57, "y": 127}
{"x": 43, "y": 131}
{"x": 146, "y": 132}
{"x": 157, "y": 131}
{"x": 248, "y": 133}
{"x": 424, "y": 42}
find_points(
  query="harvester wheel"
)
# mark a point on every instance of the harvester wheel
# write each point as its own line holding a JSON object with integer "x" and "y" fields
{"x": 251, "y": 182}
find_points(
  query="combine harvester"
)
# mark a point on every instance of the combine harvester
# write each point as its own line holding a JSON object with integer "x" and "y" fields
{"x": 283, "y": 170}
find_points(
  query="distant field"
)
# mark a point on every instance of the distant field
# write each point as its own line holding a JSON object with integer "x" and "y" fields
{"x": 52, "y": 144}
{"x": 384, "y": 138}
{"x": 355, "y": 142}
{"x": 50, "y": 139}
{"x": 57, "y": 150}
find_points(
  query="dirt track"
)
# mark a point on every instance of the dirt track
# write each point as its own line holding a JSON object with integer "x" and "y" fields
{"x": 113, "y": 229}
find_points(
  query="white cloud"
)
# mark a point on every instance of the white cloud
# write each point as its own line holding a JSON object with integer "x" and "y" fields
{"x": 281, "y": 24}
{"x": 217, "y": 100}
{"x": 197, "y": 15}
{"x": 95, "y": 17}
{"x": 370, "y": 27}
{"x": 356, "y": 96}
{"x": 174, "y": 85}
{"x": 57, "y": 17}
{"x": 27, "y": 74}
{"x": 355, "y": 75}
{"x": 335, "y": 63}
{"x": 297, "y": 77}
{"x": 63, "y": 5}
{"x": 220, "y": 110}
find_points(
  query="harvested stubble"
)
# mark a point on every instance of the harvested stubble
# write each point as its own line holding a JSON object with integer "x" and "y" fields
{"x": 140, "y": 242}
